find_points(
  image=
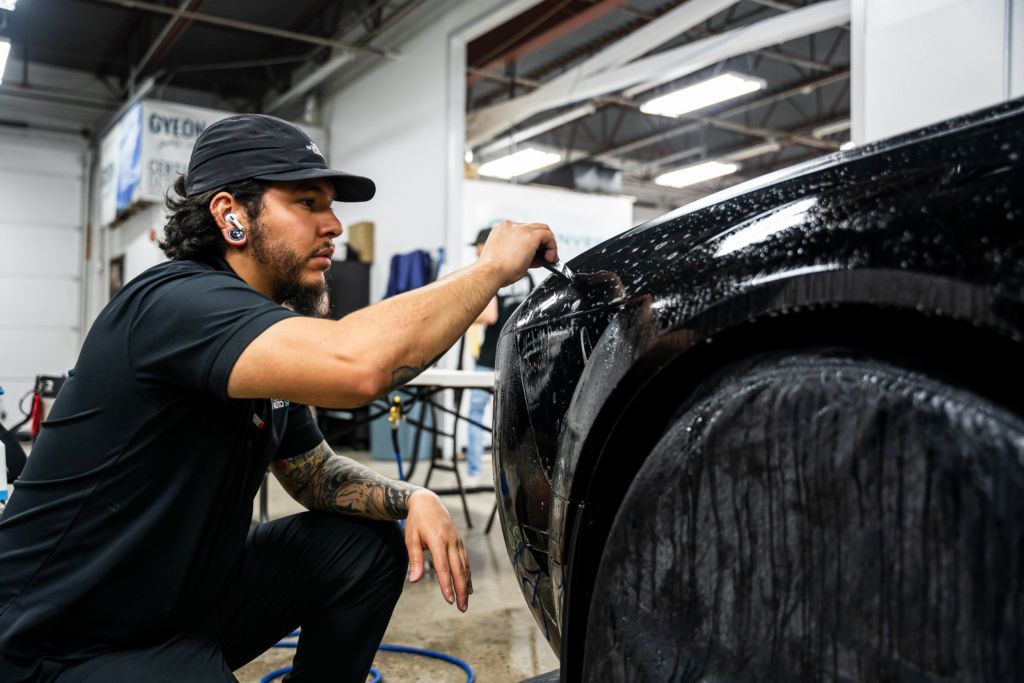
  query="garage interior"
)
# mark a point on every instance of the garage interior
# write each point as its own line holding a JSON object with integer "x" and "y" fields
{"x": 593, "y": 116}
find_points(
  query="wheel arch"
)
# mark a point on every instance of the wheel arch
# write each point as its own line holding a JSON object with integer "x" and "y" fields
{"x": 926, "y": 319}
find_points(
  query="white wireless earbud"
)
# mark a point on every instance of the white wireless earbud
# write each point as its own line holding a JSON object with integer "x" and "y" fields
{"x": 237, "y": 233}
{"x": 233, "y": 220}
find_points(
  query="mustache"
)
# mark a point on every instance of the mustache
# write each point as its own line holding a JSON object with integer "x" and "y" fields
{"x": 322, "y": 250}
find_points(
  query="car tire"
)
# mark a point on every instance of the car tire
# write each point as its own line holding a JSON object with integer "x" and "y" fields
{"x": 819, "y": 515}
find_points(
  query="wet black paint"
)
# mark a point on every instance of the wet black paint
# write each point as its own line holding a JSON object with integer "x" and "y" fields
{"x": 930, "y": 223}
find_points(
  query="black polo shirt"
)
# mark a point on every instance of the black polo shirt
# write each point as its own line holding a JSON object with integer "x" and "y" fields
{"x": 132, "y": 511}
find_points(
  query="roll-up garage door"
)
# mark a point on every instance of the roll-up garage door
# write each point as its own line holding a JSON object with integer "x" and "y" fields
{"x": 41, "y": 231}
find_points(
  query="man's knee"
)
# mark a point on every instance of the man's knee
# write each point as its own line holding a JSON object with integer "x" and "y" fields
{"x": 383, "y": 543}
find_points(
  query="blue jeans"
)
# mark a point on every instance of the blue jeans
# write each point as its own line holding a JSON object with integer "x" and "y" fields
{"x": 478, "y": 400}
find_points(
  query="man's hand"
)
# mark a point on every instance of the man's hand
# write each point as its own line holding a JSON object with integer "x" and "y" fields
{"x": 513, "y": 247}
{"x": 429, "y": 527}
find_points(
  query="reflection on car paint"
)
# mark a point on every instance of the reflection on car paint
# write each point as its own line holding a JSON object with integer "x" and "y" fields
{"x": 931, "y": 222}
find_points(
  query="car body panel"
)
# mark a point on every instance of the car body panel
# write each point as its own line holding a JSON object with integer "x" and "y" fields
{"x": 930, "y": 223}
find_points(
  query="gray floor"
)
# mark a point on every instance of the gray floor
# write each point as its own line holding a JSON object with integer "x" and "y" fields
{"x": 497, "y": 636}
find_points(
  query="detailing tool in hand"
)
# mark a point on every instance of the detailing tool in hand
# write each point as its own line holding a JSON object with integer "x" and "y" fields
{"x": 558, "y": 269}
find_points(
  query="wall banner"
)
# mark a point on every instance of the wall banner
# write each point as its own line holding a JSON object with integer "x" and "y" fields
{"x": 148, "y": 149}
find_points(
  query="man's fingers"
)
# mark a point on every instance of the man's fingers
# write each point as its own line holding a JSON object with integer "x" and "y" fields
{"x": 460, "y": 574}
{"x": 441, "y": 567}
{"x": 548, "y": 245}
{"x": 469, "y": 571}
{"x": 414, "y": 547}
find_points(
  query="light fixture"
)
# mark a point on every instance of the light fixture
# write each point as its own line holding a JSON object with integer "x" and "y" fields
{"x": 823, "y": 131}
{"x": 468, "y": 156}
{"x": 5, "y": 49}
{"x": 849, "y": 144}
{"x": 523, "y": 161}
{"x": 8, "y": 5}
{"x": 696, "y": 173}
{"x": 704, "y": 94}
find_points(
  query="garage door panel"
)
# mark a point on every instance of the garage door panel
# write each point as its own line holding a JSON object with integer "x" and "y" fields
{"x": 36, "y": 156}
{"x": 27, "y": 353}
{"x": 41, "y": 239}
{"x": 40, "y": 250}
{"x": 40, "y": 200}
{"x": 40, "y": 302}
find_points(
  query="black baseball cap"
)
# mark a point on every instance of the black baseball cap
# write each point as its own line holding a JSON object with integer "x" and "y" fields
{"x": 481, "y": 237}
{"x": 264, "y": 148}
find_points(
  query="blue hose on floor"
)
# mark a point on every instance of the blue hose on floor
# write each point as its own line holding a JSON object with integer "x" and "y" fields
{"x": 377, "y": 676}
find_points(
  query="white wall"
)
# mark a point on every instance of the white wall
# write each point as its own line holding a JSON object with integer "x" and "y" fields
{"x": 921, "y": 61}
{"x": 579, "y": 220}
{"x": 42, "y": 179}
{"x": 401, "y": 124}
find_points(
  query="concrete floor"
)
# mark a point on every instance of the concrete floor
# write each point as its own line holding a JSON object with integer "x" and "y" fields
{"x": 497, "y": 636}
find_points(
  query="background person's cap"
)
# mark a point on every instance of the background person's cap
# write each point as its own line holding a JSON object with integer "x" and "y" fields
{"x": 264, "y": 148}
{"x": 481, "y": 237}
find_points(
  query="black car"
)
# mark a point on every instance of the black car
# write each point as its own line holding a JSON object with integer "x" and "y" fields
{"x": 776, "y": 435}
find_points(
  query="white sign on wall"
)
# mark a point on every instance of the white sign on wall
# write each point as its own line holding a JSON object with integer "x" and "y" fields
{"x": 579, "y": 221}
{"x": 142, "y": 156}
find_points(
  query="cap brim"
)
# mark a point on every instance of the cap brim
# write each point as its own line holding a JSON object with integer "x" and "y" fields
{"x": 347, "y": 187}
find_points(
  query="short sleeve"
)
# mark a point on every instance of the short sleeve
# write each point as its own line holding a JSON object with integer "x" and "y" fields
{"x": 189, "y": 331}
{"x": 301, "y": 435}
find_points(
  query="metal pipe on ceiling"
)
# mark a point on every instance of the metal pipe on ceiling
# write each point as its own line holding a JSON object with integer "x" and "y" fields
{"x": 552, "y": 34}
{"x": 542, "y": 127}
{"x": 775, "y": 4}
{"x": 165, "y": 39}
{"x": 315, "y": 78}
{"x": 331, "y": 66}
{"x": 58, "y": 96}
{"x": 248, "y": 27}
{"x": 599, "y": 75}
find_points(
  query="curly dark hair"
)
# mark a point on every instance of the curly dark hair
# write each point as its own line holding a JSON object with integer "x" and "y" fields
{"x": 191, "y": 232}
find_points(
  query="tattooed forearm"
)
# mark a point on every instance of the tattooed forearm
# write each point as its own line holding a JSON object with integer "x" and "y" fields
{"x": 321, "y": 480}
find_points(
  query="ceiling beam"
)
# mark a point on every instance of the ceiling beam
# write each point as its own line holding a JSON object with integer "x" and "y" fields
{"x": 682, "y": 61}
{"x": 645, "y": 170}
{"x": 775, "y": 4}
{"x": 332, "y": 65}
{"x": 312, "y": 80}
{"x": 484, "y": 124}
{"x": 804, "y": 87}
{"x": 171, "y": 32}
{"x": 551, "y": 35}
{"x": 584, "y": 83}
{"x": 246, "y": 26}
{"x": 59, "y": 96}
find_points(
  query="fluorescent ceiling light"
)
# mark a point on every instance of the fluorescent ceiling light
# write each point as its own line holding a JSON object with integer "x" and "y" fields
{"x": 8, "y": 4}
{"x": 523, "y": 161}
{"x": 831, "y": 129}
{"x": 703, "y": 94}
{"x": 5, "y": 49}
{"x": 698, "y": 173}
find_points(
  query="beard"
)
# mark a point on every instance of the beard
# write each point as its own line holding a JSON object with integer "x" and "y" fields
{"x": 287, "y": 266}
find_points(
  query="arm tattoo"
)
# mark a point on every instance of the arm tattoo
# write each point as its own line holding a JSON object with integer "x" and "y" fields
{"x": 403, "y": 375}
{"x": 321, "y": 480}
{"x": 407, "y": 373}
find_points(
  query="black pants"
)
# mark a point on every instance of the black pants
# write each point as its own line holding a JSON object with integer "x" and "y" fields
{"x": 337, "y": 577}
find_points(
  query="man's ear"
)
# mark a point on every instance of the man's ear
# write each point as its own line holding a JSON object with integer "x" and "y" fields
{"x": 230, "y": 219}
